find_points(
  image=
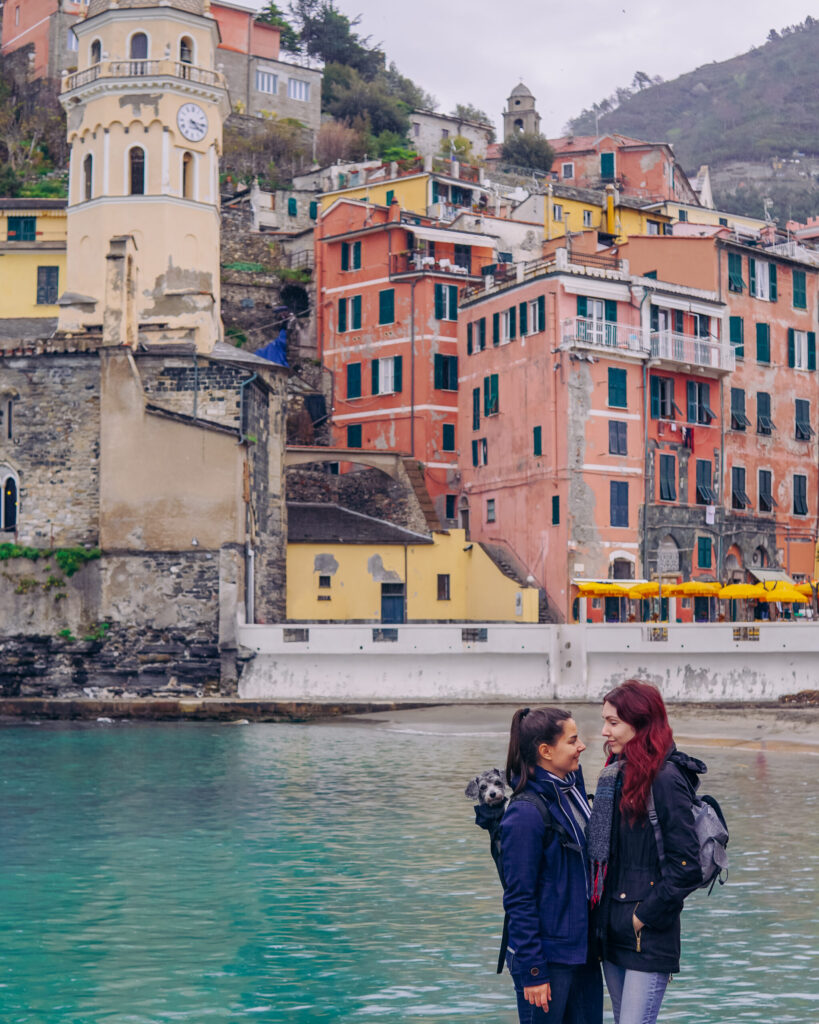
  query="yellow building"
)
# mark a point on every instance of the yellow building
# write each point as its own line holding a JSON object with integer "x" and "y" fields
{"x": 32, "y": 257}
{"x": 343, "y": 566}
{"x": 688, "y": 213}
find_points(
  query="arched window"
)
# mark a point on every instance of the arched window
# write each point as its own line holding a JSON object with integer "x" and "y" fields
{"x": 88, "y": 177}
{"x": 187, "y": 175}
{"x": 186, "y": 50}
{"x": 139, "y": 46}
{"x": 8, "y": 505}
{"x": 621, "y": 569}
{"x": 136, "y": 171}
{"x": 518, "y": 124}
{"x": 96, "y": 52}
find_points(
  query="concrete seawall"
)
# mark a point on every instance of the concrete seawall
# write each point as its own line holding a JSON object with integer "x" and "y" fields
{"x": 499, "y": 661}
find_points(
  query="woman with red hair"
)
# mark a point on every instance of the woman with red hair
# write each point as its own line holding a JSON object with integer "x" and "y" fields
{"x": 638, "y": 893}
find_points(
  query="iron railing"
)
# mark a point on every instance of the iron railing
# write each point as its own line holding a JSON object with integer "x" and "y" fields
{"x": 604, "y": 334}
{"x": 685, "y": 348}
{"x": 418, "y": 262}
{"x": 143, "y": 69}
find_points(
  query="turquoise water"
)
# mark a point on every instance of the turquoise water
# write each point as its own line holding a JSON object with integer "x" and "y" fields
{"x": 278, "y": 873}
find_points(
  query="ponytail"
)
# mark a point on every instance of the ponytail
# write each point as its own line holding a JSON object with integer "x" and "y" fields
{"x": 530, "y": 728}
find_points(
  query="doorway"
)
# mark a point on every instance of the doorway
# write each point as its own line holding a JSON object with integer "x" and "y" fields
{"x": 392, "y": 602}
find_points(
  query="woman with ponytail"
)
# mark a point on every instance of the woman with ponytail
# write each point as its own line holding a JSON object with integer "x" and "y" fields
{"x": 546, "y": 885}
{"x": 637, "y": 892}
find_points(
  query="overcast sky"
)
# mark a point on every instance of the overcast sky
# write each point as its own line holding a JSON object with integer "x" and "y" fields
{"x": 569, "y": 53}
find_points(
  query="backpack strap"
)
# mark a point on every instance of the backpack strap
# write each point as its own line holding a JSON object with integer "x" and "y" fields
{"x": 655, "y": 824}
{"x": 565, "y": 840}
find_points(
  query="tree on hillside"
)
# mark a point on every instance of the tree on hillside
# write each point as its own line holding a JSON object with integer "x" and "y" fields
{"x": 528, "y": 149}
{"x": 457, "y": 148}
{"x": 348, "y": 96}
{"x": 288, "y": 36}
{"x": 640, "y": 80}
{"x": 329, "y": 35}
{"x": 404, "y": 89}
{"x": 466, "y": 112}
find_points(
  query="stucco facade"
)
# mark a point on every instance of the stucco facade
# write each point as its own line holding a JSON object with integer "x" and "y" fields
{"x": 431, "y": 133}
{"x": 32, "y": 257}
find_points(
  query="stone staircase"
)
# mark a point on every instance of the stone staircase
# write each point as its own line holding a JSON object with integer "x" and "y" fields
{"x": 416, "y": 479}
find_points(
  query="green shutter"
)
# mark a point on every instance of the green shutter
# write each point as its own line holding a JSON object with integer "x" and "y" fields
{"x": 292, "y": 207}
{"x": 617, "y": 388}
{"x": 386, "y": 306}
{"x": 611, "y": 311}
{"x": 448, "y": 437}
{"x": 513, "y": 327}
{"x": 356, "y": 255}
{"x": 772, "y": 281}
{"x": 435, "y": 195}
{"x": 469, "y": 339}
{"x": 524, "y": 327}
{"x": 476, "y": 408}
{"x": 653, "y": 318}
{"x": 355, "y": 313}
{"x": 390, "y": 196}
{"x": 440, "y": 309}
{"x": 486, "y": 397}
{"x": 692, "y": 401}
{"x": 655, "y": 398}
{"x": 800, "y": 295}
{"x": 354, "y": 380}
{"x": 496, "y": 329}
{"x": 375, "y": 376}
{"x": 752, "y": 275}
{"x": 342, "y": 316}
{"x": 345, "y": 255}
{"x": 482, "y": 333}
{"x": 811, "y": 350}
{"x": 737, "y": 335}
{"x": 474, "y": 453}
{"x": 493, "y": 386}
{"x": 537, "y": 441}
{"x": 453, "y": 302}
{"x": 398, "y": 373}
{"x": 606, "y": 169}
{"x": 582, "y": 305}
{"x": 791, "y": 348}
{"x": 438, "y": 371}
{"x": 763, "y": 344}
{"x": 313, "y": 210}
{"x": 354, "y": 435}
{"x": 555, "y": 509}
{"x": 541, "y": 312}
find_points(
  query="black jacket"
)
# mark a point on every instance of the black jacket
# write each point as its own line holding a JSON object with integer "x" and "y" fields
{"x": 634, "y": 882}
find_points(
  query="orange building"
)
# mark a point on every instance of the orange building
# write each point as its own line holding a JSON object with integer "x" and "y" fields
{"x": 563, "y": 468}
{"x": 648, "y": 170}
{"x": 768, "y": 480}
{"x": 44, "y": 25}
{"x": 387, "y": 320}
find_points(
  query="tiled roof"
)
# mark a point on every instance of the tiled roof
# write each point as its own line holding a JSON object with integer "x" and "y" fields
{"x": 320, "y": 523}
{"x": 99, "y": 6}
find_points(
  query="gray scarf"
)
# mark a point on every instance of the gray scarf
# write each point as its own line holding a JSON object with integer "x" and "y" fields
{"x": 598, "y": 831}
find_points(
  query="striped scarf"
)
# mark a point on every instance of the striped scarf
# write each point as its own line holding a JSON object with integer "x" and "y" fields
{"x": 598, "y": 831}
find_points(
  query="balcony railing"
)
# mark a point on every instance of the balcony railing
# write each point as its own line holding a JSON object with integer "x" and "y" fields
{"x": 603, "y": 334}
{"x": 594, "y": 259}
{"x": 685, "y": 348}
{"x": 420, "y": 263}
{"x": 143, "y": 69}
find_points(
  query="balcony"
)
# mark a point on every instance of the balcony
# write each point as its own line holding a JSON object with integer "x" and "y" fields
{"x": 110, "y": 69}
{"x": 413, "y": 263}
{"x": 702, "y": 353}
{"x": 584, "y": 332}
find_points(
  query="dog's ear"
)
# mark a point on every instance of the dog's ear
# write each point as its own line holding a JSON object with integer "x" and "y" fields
{"x": 472, "y": 789}
{"x": 502, "y": 774}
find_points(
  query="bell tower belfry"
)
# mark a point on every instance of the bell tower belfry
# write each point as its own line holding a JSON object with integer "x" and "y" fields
{"x": 145, "y": 111}
{"x": 520, "y": 114}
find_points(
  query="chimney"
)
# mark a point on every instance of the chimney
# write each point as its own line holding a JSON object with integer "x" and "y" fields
{"x": 119, "y": 320}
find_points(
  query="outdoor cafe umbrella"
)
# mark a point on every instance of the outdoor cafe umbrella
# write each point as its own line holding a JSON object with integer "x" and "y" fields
{"x": 696, "y": 588}
{"x": 787, "y": 595}
{"x": 594, "y": 588}
{"x": 649, "y": 589}
{"x": 739, "y": 592}
{"x": 806, "y": 588}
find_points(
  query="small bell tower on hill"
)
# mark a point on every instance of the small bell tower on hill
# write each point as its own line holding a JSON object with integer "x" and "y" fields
{"x": 520, "y": 114}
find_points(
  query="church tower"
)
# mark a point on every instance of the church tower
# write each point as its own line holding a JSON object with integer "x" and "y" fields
{"x": 145, "y": 111}
{"x": 520, "y": 114}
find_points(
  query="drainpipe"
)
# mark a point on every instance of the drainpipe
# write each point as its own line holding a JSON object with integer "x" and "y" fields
{"x": 250, "y": 555}
{"x": 549, "y": 194}
{"x": 413, "y": 283}
{"x": 723, "y": 478}
{"x": 195, "y": 385}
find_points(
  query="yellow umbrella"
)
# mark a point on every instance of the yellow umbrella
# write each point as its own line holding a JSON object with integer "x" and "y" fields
{"x": 597, "y": 589}
{"x": 805, "y": 588}
{"x": 699, "y": 588}
{"x": 650, "y": 589}
{"x": 787, "y": 595}
{"x": 739, "y": 591}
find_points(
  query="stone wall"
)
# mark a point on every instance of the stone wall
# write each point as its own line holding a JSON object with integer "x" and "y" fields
{"x": 54, "y": 449}
{"x": 182, "y": 383}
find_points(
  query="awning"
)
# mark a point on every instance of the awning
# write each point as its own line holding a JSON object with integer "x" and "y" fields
{"x": 772, "y": 575}
{"x": 449, "y": 237}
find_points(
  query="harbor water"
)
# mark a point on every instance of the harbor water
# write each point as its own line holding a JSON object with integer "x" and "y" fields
{"x": 222, "y": 874}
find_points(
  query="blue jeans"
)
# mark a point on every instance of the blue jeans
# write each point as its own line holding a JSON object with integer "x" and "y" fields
{"x": 636, "y": 996}
{"x": 577, "y": 995}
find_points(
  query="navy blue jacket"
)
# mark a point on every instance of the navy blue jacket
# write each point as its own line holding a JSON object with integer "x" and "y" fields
{"x": 546, "y": 895}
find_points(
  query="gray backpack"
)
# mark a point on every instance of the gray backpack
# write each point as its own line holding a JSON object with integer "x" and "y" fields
{"x": 712, "y": 835}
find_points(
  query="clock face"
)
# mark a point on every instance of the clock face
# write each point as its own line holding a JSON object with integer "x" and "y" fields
{"x": 192, "y": 121}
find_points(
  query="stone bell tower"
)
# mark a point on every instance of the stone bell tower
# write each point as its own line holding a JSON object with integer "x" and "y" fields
{"x": 145, "y": 111}
{"x": 520, "y": 114}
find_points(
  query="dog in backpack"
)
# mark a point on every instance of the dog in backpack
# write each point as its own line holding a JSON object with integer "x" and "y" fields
{"x": 490, "y": 791}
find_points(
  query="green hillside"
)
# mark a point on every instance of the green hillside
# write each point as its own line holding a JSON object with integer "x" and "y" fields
{"x": 753, "y": 107}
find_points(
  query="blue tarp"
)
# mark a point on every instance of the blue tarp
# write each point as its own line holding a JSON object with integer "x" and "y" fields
{"x": 275, "y": 351}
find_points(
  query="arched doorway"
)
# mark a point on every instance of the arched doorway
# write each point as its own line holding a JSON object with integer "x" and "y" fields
{"x": 8, "y": 504}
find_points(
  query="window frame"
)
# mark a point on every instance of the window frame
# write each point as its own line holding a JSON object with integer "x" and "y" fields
{"x": 448, "y": 434}
{"x": 491, "y": 510}
{"x": 803, "y": 431}
{"x": 48, "y": 285}
{"x": 261, "y": 75}
{"x": 618, "y": 508}
{"x": 705, "y": 492}
{"x": 800, "y": 495}
{"x": 764, "y": 420}
{"x": 617, "y": 379}
{"x": 739, "y": 420}
{"x": 739, "y": 496}
{"x": 443, "y": 586}
{"x": 668, "y": 477}
{"x": 296, "y": 86}
{"x": 767, "y": 502}
{"x": 618, "y": 437}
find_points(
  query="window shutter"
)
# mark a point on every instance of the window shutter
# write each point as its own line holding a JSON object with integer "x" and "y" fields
{"x": 791, "y": 348}
{"x": 313, "y": 210}
{"x": 655, "y": 398}
{"x": 706, "y": 398}
{"x": 356, "y": 255}
{"x": 737, "y": 335}
{"x": 541, "y": 312}
{"x": 763, "y": 344}
{"x": 453, "y": 368}
{"x": 482, "y": 333}
{"x": 474, "y": 453}
{"x": 354, "y": 380}
{"x": 493, "y": 388}
{"x": 611, "y": 311}
{"x": 342, "y": 316}
{"x": 772, "y": 281}
{"x": 345, "y": 255}
{"x": 655, "y": 318}
{"x": 398, "y": 373}
{"x": 439, "y": 302}
{"x": 469, "y": 339}
{"x": 390, "y": 196}
{"x": 811, "y": 350}
{"x": 582, "y": 306}
{"x": 438, "y": 365}
{"x": 524, "y": 327}
{"x": 386, "y": 306}
{"x": 453, "y": 302}
{"x": 476, "y": 408}
{"x": 513, "y": 316}
{"x": 752, "y": 275}
{"x": 692, "y": 401}
{"x": 375, "y": 376}
{"x": 486, "y": 396}
{"x": 356, "y": 313}
{"x": 435, "y": 200}
{"x": 537, "y": 441}
{"x": 496, "y": 329}
{"x": 555, "y": 509}
{"x": 800, "y": 295}
{"x": 292, "y": 207}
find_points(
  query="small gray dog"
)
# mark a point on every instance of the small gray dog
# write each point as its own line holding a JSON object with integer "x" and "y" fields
{"x": 488, "y": 788}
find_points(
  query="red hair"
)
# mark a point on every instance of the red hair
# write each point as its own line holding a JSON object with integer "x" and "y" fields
{"x": 641, "y": 706}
